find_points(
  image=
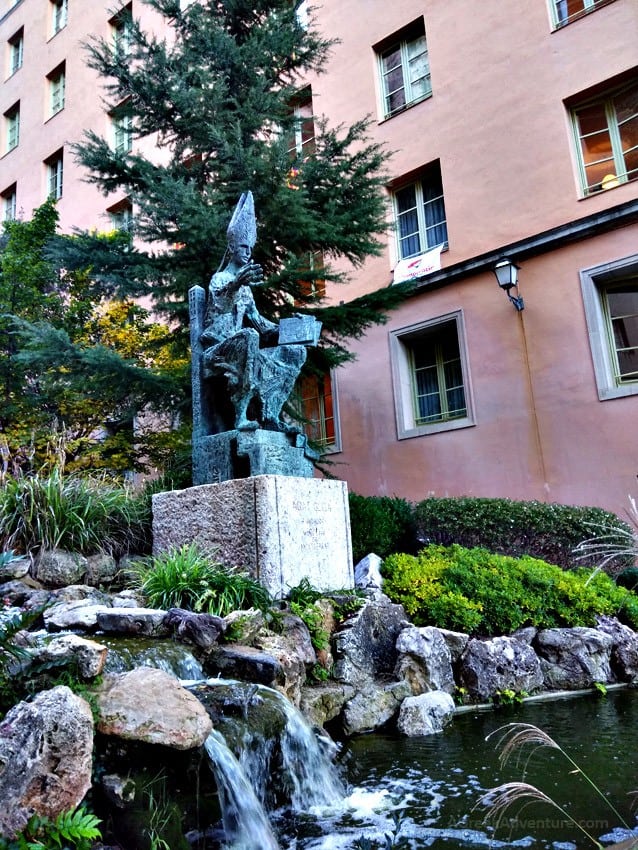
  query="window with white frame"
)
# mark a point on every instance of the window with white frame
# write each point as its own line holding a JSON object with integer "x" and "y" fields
{"x": 59, "y": 14}
{"x": 302, "y": 140}
{"x": 122, "y": 128}
{"x": 566, "y": 11}
{"x": 55, "y": 174}
{"x": 318, "y": 403}
{"x": 12, "y": 127}
{"x": 57, "y": 89}
{"x": 430, "y": 373}
{"x": 121, "y": 215}
{"x": 606, "y": 130}
{"x": 16, "y": 51}
{"x": 10, "y": 203}
{"x": 121, "y": 26}
{"x": 419, "y": 214}
{"x": 404, "y": 68}
{"x": 610, "y": 297}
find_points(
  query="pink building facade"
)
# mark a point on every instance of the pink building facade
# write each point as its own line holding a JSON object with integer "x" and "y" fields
{"x": 512, "y": 137}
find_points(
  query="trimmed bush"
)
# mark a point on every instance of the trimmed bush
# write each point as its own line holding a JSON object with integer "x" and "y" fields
{"x": 381, "y": 524}
{"x": 543, "y": 530}
{"x": 476, "y": 591}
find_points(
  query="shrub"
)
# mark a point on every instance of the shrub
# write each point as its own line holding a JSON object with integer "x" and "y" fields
{"x": 543, "y": 530}
{"x": 381, "y": 524}
{"x": 480, "y": 592}
{"x": 188, "y": 578}
{"x": 85, "y": 514}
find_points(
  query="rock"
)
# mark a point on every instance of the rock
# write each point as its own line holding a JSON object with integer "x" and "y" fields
{"x": 425, "y": 661}
{"x": 25, "y": 594}
{"x": 133, "y": 621}
{"x": 456, "y": 642}
{"x": 89, "y": 656}
{"x": 425, "y": 714}
{"x": 76, "y": 607}
{"x": 202, "y": 630}
{"x": 233, "y": 661}
{"x": 322, "y": 703}
{"x": 365, "y": 649}
{"x": 58, "y": 568}
{"x": 14, "y": 569}
{"x": 46, "y": 751}
{"x": 150, "y": 705}
{"x": 624, "y": 651}
{"x": 101, "y": 569}
{"x": 244, "y": 625}
{"x": 574, "y": 658}
{"x": 499, "y": 664}
{"x": 293, "y": 652}
{"x": 367, "y": 573}
{"x": 119, "y": 791}
{"x": 372, "y": 707}
{"x": 127, "y": 599}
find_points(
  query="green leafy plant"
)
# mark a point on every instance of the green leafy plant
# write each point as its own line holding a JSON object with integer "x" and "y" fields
{"x": 509, "y": 697}
{"x": 188, "y": 578}
{"x": 601, "y": 688}
{"x": 480, "y": 592}
{"x": 68, "y": 831}
{"x": 80, "y": 513}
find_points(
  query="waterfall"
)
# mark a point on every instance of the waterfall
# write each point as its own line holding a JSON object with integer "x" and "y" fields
{"x": 293, "y": 758}
{"x": 245, "y": 822}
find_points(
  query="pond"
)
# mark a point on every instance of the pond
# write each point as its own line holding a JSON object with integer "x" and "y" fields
{"x": 431, "y": 785}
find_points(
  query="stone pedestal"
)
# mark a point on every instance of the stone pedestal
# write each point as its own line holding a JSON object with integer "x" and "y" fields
{"x": 279, "y": 528}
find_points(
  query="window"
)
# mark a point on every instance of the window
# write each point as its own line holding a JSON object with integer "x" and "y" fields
{"x": 122, "y": 129}
{"x": 121, "y": 215}
{"x": 606, "y": 131}
{"x": 404, "y": 68}
{"x": 59, "y": 12}
{"x": 121, "y": 26}
{"x": 57, "y": 89}
{"x": 566, "y": 11}
{"x": 16, "y": 51}
{"x": 9, "y": 203}
{"x": 318, "y": 406}
{"x": 419, "y": 213}
{"x": 315, "y": 288}
{"x": 12, "y": 127}
{"x": 610, "y": 296}
{"x": 302, "y": 141}
{"x": 55, "y": 173}
{"x": 431, "y": 377}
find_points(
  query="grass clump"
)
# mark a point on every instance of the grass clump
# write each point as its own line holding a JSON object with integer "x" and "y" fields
{"x": 189, "y": 578}
{"x": 479, "y": 592}
{"x": 80, "y": 513}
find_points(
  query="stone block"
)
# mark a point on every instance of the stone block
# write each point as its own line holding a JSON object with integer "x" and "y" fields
{"x": 279, "y": 528}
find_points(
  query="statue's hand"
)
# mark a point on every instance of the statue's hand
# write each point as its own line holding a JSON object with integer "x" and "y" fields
{"x": 251, "y": 274}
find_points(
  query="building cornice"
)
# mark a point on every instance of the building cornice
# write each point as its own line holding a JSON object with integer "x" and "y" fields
{"x": 531, "y": 246}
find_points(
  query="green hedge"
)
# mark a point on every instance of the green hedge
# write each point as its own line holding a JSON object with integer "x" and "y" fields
{"x": 381, "y": 524}
{"x": 476, "y": 591}
{"x": 541, "y": 529}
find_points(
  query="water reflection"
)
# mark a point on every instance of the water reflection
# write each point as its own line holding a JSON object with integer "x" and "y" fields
{"x": 432, "y": 784}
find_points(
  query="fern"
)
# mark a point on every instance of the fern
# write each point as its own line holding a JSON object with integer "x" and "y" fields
{"x": 68, "y": 831}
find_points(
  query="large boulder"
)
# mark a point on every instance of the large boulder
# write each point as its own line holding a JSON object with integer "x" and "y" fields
{"x": 294, "y": 651}
{"x": 58, "y": 568}
{"x": 574, "y": 658}
{"x": 425, "y": 660}
{"x": 87, "y": 655}
{"x": 365, "y": 648}
{"x": 373, "y": 707}
{"x": 425, "y": 714}
{"x": 46, "y": 752}
{"x": 144, "y": 622}
{"x": 101, "y": 569}
{"x": 202, "y": 630}
{"x": 235, "y": 661}
{"x": 502, "y": 663}
{"x": 322, "y": 703}
{"x": 150, "y": 705}
{"x": 624, "y": 651}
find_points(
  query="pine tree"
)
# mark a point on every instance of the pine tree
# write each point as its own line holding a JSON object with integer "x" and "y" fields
{"x": 217, "y": 97}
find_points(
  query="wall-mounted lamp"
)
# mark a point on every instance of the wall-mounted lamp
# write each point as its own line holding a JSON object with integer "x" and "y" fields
{"x": 507, "y": 276}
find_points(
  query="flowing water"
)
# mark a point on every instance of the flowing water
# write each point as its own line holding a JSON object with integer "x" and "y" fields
{"x": 423, "y": 792}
